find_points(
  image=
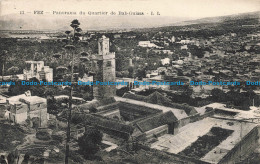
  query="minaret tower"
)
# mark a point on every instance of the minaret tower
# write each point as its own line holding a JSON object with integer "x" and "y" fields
{"x": 103, "y": 64}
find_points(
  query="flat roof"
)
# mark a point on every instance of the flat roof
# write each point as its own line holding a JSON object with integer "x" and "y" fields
{"x": 27, "y": 99}
{"x": 30, "y": 61}
{"x": 66, "y": 96}
{"x": 2, "y": 99}
{"x": 191, "y": 132}
{"x": 178, "y": 113}
{"x": 242, "y": 114}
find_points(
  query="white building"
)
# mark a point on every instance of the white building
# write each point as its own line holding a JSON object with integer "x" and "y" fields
{"x": 184, "y": 47}
{"x": 147, "y": 44}
{"x": 233, "y": 34}
{"x": 178, "y": 62}
{"x": 38, "y": 70}
{"x": 165, "y": 61}
{"x": 185, "y": 41}
{"x": 24, "y": 106}
{"x": 173, "y": 39}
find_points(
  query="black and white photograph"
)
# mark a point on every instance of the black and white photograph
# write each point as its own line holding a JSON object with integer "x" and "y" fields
{"x": 129, "y": 82}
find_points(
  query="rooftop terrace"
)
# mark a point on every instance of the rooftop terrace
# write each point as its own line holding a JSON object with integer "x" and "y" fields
{"x": 27, "y": 99}
{"x": 191, "y": 132}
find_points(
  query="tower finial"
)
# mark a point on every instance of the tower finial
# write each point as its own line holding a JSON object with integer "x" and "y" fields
{"x": 103, "y": 45}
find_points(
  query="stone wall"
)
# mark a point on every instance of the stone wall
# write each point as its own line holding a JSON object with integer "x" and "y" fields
{"x": 179, "y": 158}
{"x": 157, "y": 131}
{"x": 194, "y": 118}
{"x": 42, "y": 114}
{"x": 246, "y": 146}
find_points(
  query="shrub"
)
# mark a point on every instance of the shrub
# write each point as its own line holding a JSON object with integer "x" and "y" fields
{"x": 89, "y": 142}
{"x": 43, "y": 135}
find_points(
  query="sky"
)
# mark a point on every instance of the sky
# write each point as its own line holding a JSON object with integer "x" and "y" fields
{"x": 177, "y": 8}
{"x": 171, "y": 12}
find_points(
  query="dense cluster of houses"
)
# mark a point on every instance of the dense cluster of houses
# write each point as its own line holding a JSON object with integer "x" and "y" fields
{"x": 154, "y": 120}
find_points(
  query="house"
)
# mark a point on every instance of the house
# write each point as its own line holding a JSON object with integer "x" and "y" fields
{"x": 173, "y": 39}
{"x": 159, "y": 124}
{"x": 226, "y": 140}
{"x": 147, "y": 44}
{"x": 165, "y": 61}
{"x": 38, "y": 70}
{"x": 233, "y": 34}
{"x": 184, "y": 47}
{"x": 26, "y": 107}
{"x": 185, "y": 41}
{"x": 144, "y": 43}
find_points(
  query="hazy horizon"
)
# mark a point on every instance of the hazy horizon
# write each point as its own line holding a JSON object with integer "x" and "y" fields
{"x": 171, "y": 12}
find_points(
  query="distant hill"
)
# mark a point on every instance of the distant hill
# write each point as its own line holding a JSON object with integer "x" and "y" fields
{"x": 49, "y": 22}
{"x": 211, "y": 26}
{"x": 21, "y": 22}
{"x": 222, "y": 19}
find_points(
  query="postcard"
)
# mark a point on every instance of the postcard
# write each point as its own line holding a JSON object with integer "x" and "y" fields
{"x": 129, "y": 81}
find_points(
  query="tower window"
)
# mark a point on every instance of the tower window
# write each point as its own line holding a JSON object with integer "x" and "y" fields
{"x": 109, "y": 63}
{"x": 94, "y": 64}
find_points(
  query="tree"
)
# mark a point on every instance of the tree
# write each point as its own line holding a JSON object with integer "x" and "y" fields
{"x": 89, "y": 142}
{"x": 10, "y": 158}
{"x": 196, "y": 51}
{"x": 13, "y": 157}
{"x": 141, "y": 73}
{"x": 2, "y": 160}
{"x": 18, "y": 88}
{"x": 49, "y": 93}
{"x": 26, "y": 159}
{"x": 36, "y": 90}
{"x": 3, "y": 59}
{"x": 43, "y": 135}
{"x": 187, "y": 91}
{"x": 120, "y": 92}
{"x": 72, "y": 42}
{"x": 13, "y": 70}
{"x": 217, "y": 95}
{"x": 131, "y": 72}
